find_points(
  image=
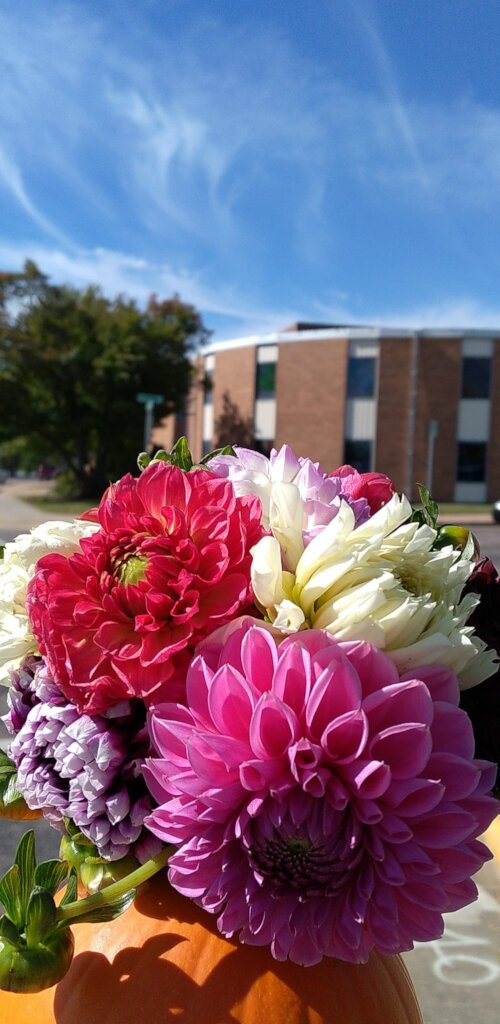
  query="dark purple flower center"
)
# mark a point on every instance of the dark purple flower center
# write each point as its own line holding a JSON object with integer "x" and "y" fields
{"x": 292, "y": 858}
{"x": 291, "y": 862}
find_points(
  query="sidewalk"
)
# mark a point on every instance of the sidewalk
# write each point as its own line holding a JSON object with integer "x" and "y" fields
{"x": 492, "y": 839}
{"x": 17, "y": 516}
{"x": 466, "y": 518}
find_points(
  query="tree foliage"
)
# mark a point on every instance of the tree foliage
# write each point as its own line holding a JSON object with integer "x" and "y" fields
{"x": 72, "y": 363}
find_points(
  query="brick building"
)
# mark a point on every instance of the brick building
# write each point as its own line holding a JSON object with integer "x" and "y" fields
{"x": 419, "y": 405}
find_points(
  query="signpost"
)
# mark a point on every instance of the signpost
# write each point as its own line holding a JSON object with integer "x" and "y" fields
{"x": 432, "y": 433}
{"x": 148, "y": 401}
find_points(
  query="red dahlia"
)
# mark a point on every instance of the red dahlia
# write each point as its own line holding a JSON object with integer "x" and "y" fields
{"x": 170, "y": 564}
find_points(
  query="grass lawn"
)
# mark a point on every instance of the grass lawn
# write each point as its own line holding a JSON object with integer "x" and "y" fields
{"x": 53, "y": 506}
{"x": 462, "y": 509}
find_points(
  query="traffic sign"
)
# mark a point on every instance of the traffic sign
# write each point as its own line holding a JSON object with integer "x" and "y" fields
{"x": 148, "y": 399}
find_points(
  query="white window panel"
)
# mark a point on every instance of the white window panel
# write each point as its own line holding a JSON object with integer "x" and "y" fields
{"x": 474, "y": 419}
{"x": 360, "y": 419}
{"x": 267, "y": 354}
{"x": 477, "y": 347}
{"x": 265, "y": 418}
{"x": 208, "y": 422}
{"x": 470, "y": 492}
{"x": 363, "y": 349}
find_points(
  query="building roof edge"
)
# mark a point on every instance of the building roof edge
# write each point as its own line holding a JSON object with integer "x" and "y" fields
{"x": 350, "y": 333}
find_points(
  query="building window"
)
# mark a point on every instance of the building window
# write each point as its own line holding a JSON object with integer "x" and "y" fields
{"x": 208, "y": 384}
{"x": 359, "y": 455}
{"x": 476, "y": 371}
{"x": 471, "y": 462}
{"x": 265, "y": 383}
{"x": 206, "y": 447}
{"x": 263, "y": 446}
{"x": 361, "y": 377}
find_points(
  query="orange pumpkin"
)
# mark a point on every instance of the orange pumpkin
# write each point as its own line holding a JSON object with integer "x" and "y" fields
{"x": 164, "y": 961}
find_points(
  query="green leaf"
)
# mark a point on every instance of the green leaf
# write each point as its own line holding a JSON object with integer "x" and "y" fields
{"x": 227, "y": 450}
{"x": 40, "y": 916}
{"x": 162, "y": 456}
{"x": 143, "y": 461}
{"x": 26, "y": 861}
{"x": 9, "y": 931}
{"x": 71, "y": 893}
{"x": 7, "y": 767}
{"x": 10, "y": 895}
{"x": 106, "y": 912}
{"x": 81, "y": 840}
{"x": 428, "y": 514}
{"x": 181, "y": 454}
{"x": 9, "y": 792}
{"x": 51, "y": 874}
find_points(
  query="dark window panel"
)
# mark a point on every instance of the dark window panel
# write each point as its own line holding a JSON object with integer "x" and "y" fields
{"x": 263, "y": 446}
{"x": 359, "y": 455}
{"x": 361, "y": 377}
{"x": 476, "y": 374}
{"x": 471, "y": 462}
{"x": 265, "y": 384}
{"x": 208, "y": 384}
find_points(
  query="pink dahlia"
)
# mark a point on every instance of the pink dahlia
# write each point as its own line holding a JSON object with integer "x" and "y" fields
{"x": 376, "y": 488}
{"x": 322, "y": 804}
{"x": 170, "y": 563}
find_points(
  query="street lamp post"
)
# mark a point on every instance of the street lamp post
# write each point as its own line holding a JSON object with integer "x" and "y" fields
{"x": 432, "y": 433}
{"x": 148, "y": 401}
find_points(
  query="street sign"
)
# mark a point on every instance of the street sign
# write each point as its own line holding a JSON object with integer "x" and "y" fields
{"x": 148, "y": 399}
{"x": 149, "y": 402}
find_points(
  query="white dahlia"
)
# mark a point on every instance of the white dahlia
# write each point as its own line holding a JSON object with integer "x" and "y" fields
{"x": 16, "y": 569}
{"x": 298, "y": 497}
{"x": 382, "y": 582}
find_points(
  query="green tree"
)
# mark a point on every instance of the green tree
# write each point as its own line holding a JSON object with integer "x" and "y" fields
{"x": 72, "y": 363}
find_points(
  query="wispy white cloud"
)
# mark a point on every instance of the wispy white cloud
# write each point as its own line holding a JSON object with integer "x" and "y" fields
{"x": 221, "y": 152}
{"x": 11, "y": 180}
{"x": 120, "y": 273}
{"x": 190, "y": 135}
{"x": 365, "y": 13}
{"x": 453, "y": 311}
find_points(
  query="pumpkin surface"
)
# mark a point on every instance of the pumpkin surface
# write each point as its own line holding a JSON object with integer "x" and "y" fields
{"x": 164, "y": 961}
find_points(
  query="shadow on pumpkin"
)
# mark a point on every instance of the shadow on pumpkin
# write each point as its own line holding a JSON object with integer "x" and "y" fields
{"x": 163, "y": 976}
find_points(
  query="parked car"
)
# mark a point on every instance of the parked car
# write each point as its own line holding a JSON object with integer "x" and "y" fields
{"x": 496, "y": 511}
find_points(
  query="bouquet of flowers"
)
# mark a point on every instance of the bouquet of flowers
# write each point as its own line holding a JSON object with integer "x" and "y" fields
{"x": 247, "y": 673}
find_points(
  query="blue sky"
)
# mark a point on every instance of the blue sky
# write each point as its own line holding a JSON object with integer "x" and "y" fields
{"x": 271, "y": 160}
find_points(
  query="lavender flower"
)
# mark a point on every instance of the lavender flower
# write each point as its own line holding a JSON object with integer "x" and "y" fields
{"x": 21, "y": 696}
{"x": 87, "y": 768}
{"x": 298, "y": 498}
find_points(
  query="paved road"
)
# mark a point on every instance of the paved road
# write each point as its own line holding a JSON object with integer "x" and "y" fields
{"x": 457, "y": 978}
{"x": 16, "y": 516}
{"x": 489, "y": 541}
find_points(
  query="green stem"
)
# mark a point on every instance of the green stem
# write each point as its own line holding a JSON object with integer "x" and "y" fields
{"x": 71, "y": 911}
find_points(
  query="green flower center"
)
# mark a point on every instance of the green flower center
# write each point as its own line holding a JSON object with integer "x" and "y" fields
{"x": 132, "y": 570}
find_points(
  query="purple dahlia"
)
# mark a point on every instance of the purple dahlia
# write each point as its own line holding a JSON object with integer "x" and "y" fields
{"x": 81, "y": 767}
{"x": 322, "y": 804}
{"x": 251, "y": 472}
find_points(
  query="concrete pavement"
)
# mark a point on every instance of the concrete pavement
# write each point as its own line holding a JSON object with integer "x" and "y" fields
{"x": 16, "y": 515}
